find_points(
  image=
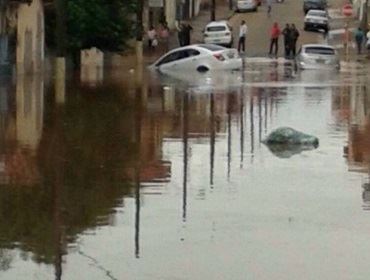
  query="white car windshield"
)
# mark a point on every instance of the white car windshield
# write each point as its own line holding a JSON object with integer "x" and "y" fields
{"x": 319, "y": 50}
{"x": 316, "y": 14}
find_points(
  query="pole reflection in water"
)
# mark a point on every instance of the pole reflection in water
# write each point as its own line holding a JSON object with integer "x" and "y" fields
{"x": 58, "y": 147}
{"x": 229, "y": 138}
{"x": 251, "y": 113}
{"x": 185, "y": 151}
{"x": 213, "y": 138}
{"x": 139, "y": 99}
{"x": 60, "y": 82}
{"x": 260, "y": 115}
{"x": 265, "y": 94}
{"x": 241, "y": 129}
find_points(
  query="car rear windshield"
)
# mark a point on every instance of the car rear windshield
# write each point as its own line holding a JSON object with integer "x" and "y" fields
{"x": 318, "y": 50}
{"x": 216, "y": 28}
{"x": 315, "y": 1}
{"x": 317, "y": 14}
{"x": 212, "y": 48}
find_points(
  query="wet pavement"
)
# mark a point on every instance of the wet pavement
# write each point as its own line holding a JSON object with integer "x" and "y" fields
{"x": 171, "y": 181}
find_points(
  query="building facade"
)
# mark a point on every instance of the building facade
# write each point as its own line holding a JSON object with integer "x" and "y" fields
{"x": 22, "y": 35}
{"x": 170, "y": 11}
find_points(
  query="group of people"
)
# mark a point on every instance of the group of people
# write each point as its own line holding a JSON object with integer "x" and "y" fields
{"x": 184, "y": 33}
{"x": 290, "y": 33}
{"x": 158, "y": 36}
{"x": 162, "y": 34}
{"x": 361, "y": 38}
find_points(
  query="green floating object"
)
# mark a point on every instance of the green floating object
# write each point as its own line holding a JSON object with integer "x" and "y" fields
{"x": 286, "y": 142}
{"x": 290, "y": 136}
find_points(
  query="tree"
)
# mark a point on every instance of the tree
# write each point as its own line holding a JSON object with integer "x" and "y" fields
{"x": 104, "y": 24}
{"x": 60, "y": 27}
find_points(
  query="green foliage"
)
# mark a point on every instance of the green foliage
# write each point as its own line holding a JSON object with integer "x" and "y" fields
{"x": 105, "y": 24}
{"x": 100, "y": 23}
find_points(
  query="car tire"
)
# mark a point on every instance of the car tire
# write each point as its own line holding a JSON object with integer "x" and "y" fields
{"x": 202, "y": 69}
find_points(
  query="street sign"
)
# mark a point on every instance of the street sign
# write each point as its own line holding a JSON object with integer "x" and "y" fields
{"x": 347, "y": 10}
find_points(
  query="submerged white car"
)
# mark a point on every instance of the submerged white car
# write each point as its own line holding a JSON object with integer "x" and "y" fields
{"x": 317, "y": 56}
{"x": 201, "y": 58}
{"x": 219, "y": 33}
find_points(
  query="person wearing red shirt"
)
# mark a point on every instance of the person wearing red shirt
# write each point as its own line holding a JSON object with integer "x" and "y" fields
{"x": 274, "y": 36}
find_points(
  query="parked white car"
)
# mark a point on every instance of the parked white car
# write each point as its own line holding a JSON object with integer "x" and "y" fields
{"x": 218, "y": 32}
{"x": 201, "y": 58}
{"x": 316, "y": 20}
{"x": 317, "y": 56}
{"x": 247, "y": 5}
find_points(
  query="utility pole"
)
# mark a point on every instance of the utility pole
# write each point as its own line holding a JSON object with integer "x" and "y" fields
{"x": 61, "y": 46}
{"x": 139, "y": 31}
{"x": 213, "y": 10}
{"x": 364, "y": 24}
{"x": 60, "y": 28}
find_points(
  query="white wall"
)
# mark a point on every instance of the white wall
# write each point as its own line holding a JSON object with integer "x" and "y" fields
{"x": 30, "y": 37}
{"x": 171, "y": 13}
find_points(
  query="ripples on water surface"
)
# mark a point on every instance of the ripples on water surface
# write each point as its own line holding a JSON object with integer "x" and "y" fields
{"x": 171, "y": 181}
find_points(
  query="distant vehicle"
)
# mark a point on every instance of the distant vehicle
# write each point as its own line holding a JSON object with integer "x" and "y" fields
{"x": 317, "y": 56}
{"x": 247, "y": 5}
{"x": 314, "y": 5}
{"x": 218, "y": 32}
{"x": 316, "y": 20}
{"x": 201, "y": 58}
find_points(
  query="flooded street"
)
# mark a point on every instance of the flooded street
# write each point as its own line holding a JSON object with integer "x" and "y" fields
{"x": 171, "y": 180}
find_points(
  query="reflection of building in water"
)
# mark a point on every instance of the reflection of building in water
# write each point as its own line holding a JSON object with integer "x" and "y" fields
{"x": 341, "y": 105}
{"x": 30, "y": 110}
{"x": 359, "y": 131}
{"x": 358, "y": 150}
{"x": 5, "y": 126}
{"x": 21, "y": 133}
{"x": 366, "y": 196}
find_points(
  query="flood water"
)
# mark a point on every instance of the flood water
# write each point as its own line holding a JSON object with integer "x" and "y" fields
{"x": 171, "y": 181}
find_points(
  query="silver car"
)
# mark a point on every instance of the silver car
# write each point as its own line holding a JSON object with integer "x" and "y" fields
{"x": 246, "y": 5}
{"x": 317, "y": 56}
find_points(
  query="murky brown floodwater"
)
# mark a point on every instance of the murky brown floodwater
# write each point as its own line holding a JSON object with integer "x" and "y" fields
{"x": 171, "y": 181}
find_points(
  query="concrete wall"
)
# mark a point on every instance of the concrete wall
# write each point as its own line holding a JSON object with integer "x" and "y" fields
{"x": 171, "y": 13}
{"x": 30, "y": 37}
